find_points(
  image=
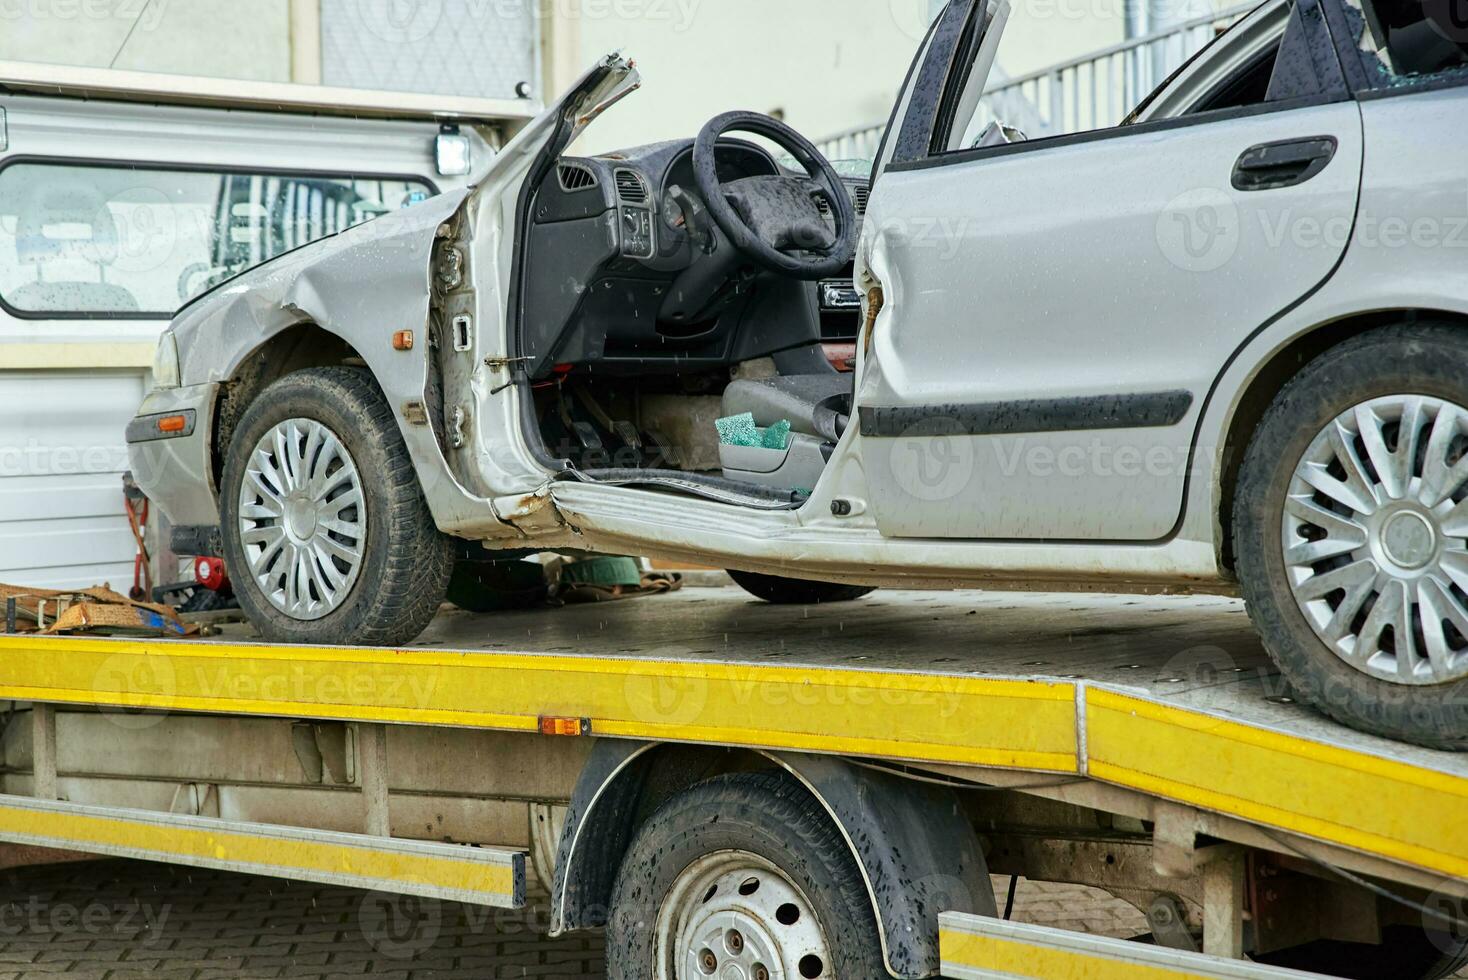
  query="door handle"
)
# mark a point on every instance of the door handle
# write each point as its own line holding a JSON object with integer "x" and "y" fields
{"x": 1272, "y": 165}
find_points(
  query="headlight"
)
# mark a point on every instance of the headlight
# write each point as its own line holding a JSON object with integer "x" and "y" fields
{"x": 165, "y": 363}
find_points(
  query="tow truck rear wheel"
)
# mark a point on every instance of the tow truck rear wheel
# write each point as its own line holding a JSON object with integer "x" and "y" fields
{"x": 326, "y": 533}
{"x": 795, "y": 591}
{"x": 741, "y": 876}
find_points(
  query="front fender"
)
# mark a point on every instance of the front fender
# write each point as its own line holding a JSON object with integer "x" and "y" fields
{"x": 363, "y": 286}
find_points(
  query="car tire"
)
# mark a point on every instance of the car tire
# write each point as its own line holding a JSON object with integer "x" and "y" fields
{"x": 1405, "y": 953}
{"x": 1292, "y": 450}
{"x": 751, "y": 853}
{"x": 498, "y": 586}
{"x": 388, "y": 573}
{"x": 795, "y": 591}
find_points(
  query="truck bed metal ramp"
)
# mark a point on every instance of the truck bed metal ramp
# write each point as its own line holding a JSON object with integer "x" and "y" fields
{"x": 976, "y": 948}
{"x": 473, "y": 875}
{"x": 1172, "y": 698}
{"x": 1163, "y": 714}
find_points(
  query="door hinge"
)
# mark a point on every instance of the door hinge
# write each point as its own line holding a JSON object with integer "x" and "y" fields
{"x": 501, "y": 363}
{"x": 508, "y": 364}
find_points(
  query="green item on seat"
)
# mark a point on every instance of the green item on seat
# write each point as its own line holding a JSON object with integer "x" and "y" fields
{"x": 738, "y": 430}
{"x": 602, "y": 571}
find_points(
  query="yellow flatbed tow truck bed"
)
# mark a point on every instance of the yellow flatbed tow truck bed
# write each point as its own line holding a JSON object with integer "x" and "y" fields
{"x": 1169, "y": 700}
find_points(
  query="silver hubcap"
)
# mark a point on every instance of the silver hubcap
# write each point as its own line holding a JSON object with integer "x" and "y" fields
{"x": 302, "y": 519}
{"x": 1376, "y": 538}
{"x": 735, "y": 916}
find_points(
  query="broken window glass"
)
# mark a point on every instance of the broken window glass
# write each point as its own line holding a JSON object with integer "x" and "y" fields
{"x": 1406, "y": 40}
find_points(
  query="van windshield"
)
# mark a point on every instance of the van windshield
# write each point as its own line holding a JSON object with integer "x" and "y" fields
{"x": 85, "y": 240}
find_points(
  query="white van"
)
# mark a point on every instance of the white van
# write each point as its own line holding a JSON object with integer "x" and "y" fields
{"x": 124, "y": 195}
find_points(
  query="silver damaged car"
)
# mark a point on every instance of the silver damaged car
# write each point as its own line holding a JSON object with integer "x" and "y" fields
{"x": 1220, "y": 347}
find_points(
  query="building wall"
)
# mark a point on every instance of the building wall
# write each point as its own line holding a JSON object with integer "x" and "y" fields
{"x": 825, "y": 65}
{"x": 247, "y": 39}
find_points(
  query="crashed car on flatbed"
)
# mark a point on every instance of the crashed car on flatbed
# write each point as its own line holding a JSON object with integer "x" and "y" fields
{"x": 1183, "y": 353}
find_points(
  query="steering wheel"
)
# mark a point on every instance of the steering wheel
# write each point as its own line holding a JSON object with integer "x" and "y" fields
{"x": 776, "y": 221}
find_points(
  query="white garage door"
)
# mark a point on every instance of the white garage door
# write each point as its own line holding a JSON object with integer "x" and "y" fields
{"x": 62, "y": 456}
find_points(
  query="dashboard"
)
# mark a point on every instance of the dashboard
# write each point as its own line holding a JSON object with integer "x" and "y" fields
{"x": 627, "y": 273}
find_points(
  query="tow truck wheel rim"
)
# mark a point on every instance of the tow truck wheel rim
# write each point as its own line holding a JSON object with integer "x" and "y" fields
{"x": 735, "y": 916}
{"x": 302, "y": 519}
{"x": 1375, "y": 538}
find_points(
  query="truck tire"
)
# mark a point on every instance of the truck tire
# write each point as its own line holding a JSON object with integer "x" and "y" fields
{"x": 326, "y": 533}
{"x": 742, "y": 872}
{"x": 1405, "y": 953}
{"x": 1352, "y": 551}
{"x": 795, "y": 591}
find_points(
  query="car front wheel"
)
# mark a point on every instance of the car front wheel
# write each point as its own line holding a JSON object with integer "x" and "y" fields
{"x": 1351, "y": 533}
{"x": 326, "y": 533}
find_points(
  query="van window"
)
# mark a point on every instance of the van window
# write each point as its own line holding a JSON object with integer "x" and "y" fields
{"x": 85, "y": 240}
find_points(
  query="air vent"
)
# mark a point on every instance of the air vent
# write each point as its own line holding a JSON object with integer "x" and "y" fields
{"x": 575, "y": 177}
{"x": 859, "y": 195}
{"x": 630, "y": 187}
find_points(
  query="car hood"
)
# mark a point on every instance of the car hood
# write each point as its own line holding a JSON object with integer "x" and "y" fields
{"x": 357, "y": 272}
{"x": 377, "y": 272}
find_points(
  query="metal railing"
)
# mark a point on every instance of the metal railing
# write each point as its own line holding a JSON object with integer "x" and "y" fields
{"x": 1094, "y": 91}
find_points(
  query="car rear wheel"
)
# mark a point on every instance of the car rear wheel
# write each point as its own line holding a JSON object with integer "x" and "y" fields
{"x": 1351, "y": 533}
{"x": 794, "y": 591}
{"x": 741, "y": 876}
{"x": 326, "y": 533}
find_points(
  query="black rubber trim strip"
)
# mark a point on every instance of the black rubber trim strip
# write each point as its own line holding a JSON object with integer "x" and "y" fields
{"x": 1151, "y": 411}
{"x": 751, "y": 495}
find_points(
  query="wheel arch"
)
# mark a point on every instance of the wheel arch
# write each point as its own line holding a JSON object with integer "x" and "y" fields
{"x": 297, "y": 347}
{"x": 1256, "y": 397}
{"x": 915, "y": 846}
